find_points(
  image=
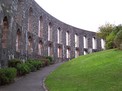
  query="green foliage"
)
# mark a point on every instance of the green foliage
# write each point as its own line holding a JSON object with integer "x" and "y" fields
{"x": 37, "y": 64}
{"x": 31, "y": 67}
{"x": 7, "y": 75}
{"x": 109, "y": 45}
{"x": 118, "y": 39}
{"x": 117, "y": 29}
{"x": 110, "y": 41}
{"x": 105, "y": 30}
{"x": 108, "y": 32}
{"x": 50, "y": 58}
{"x": 45, "y": 62}
{"x": 22, "y": 69}
{"x": 14, "y": 62}
{"x": 100, "y": 71}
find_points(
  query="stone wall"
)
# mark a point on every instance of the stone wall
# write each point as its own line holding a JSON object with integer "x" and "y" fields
{"x": 23, "y": 20}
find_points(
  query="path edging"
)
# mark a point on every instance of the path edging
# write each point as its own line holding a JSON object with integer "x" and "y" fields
{"x": 44, "y": 86}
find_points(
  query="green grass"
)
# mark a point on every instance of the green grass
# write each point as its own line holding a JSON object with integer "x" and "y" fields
{"x": 100, "y": 71}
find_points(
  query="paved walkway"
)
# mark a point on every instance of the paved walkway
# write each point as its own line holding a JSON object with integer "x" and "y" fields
{"x": 30, "y": 82}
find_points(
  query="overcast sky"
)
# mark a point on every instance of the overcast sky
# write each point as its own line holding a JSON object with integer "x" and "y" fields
{"x": 85, "y": 14}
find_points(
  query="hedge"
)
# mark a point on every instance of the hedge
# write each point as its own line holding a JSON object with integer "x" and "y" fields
{"x": 7, "y": 75}
{"x": 14, "y": 62}
{"x": 22, "y": 69}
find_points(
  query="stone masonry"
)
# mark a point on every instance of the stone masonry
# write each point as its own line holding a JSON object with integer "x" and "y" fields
{"x": 28, "y": 31}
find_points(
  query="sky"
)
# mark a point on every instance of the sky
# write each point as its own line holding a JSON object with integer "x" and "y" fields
{"x": 84, "y": 14}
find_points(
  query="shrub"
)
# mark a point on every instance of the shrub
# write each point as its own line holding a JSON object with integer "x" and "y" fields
{"x": 110, "y": 40}
{"x": 109, "y": 45}
{"x": 50, "y": 59}
{"x": 7, "y": 75}
{"x": 32, "y": 68}
{"x": 118, "y": 39}
{"x": 14, "y": 62}
{"x": 36, "y": 63}
{"x": 45, "y": 62}
{"x": 23, "y": 69}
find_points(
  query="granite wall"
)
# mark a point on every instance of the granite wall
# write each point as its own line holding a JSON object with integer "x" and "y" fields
{"x": 20, "y": 22}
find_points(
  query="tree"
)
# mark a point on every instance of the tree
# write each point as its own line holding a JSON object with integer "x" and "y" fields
{"x": 110, "y": 41}
{"x": 105, "y": 30}
{"x": 111, "y": 34}
{"x": 118, "y": 40}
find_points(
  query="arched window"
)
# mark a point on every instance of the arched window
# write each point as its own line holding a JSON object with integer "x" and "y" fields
{"x": 67, "y": 38}
{"x": 59, "y": 52}
{"x": 59, "y": 36}
{"x": 94, "y": 43}
{"x": 5, "y": 32}
{"x": 18, "y": 40}
{"x": 30, "y": 47}
{"x": 85, "y": 40}
{"x": 68, "y": 53}
{"x": 50, "y": 51}
{"x": 40, "y": 48}
{"x": 40, "y": 31}
{"x": 102, "y": 43}
{"x": 76, "y": 53}
{"x": 76, "y": 40}
{"x": 30, "y": 20}
{"x": 50, "y": 32}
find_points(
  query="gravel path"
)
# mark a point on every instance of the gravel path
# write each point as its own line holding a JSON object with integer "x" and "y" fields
{"x": 32, "y": 81}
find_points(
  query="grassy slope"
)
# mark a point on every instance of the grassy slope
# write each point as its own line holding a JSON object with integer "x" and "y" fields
{"x": 100, "y": 71}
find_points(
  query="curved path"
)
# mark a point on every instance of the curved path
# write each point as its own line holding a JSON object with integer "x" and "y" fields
{"x": 32, "y": 81}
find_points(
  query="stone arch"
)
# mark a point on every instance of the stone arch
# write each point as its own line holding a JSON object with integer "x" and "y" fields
{"x": 76, "y": 40}
{"x": 102, "y": 44}
{"x": 59, "y": 35}
{"x": 77, "y": 53}
{"x": 94, "y": 43}
{"x": 59, "y": 51}
{"x": 67, "y": 38}
{"x": 18, "y": 40}
{"x": 40, "y": 27}
{"x": 30, "y": 45}
{"x": 30, "y": 19}
{"x": 5, "y": 32}
{"x": 40, "y": 46}
{"x": 85, "y": 41}
{"x": 50, "y": 50}
{"x": 68, "y": 53}
{"x": 50, "y": 31}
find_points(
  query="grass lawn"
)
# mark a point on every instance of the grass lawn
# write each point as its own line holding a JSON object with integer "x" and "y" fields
{"x": 100, "y": 71}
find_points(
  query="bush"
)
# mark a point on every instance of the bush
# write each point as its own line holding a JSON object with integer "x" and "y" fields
{"x": 109, "y": 45}
{"x": 23, "y": 69}
{"x": 45, "y": 62}
{"x": 14, "y": 62}
{"x": 31, "y": 67}
{"x": 50, "y": 59}
{"x": 110, "y": 41}
{"x": 36, "y": 63}
{"x": 7, "y": 75}
{"x": 118, "y": 39}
